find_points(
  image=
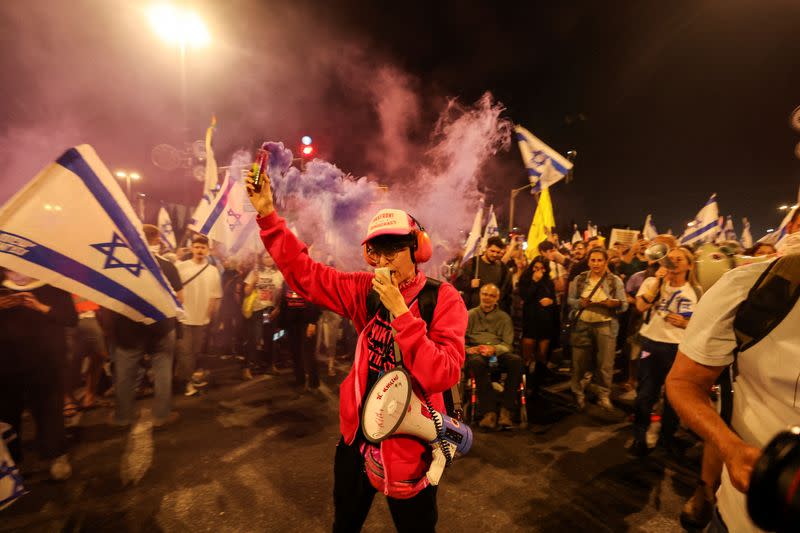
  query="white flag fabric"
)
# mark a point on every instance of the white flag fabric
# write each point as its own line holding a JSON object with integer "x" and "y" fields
{"x": 545, "y": 165}
{"x": 473, "y": 240}
{"x": 576, "y": 236}
{"x": 705, "y": 227}
{"x": 225, "y": 220}
{"x": 649, "y": 231}
{"x": 491, "y": 228}
{"x": 73, "y": 228}
{"x": 776, "y": 236}
{"x": 211, "y": 175}
{"x": 166, "y": 229}
{"x": 727, "y": 232}
{"x": 747, "y": 237}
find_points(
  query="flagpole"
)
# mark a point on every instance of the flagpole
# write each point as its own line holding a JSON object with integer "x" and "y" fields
{"x": 514, "y": 193}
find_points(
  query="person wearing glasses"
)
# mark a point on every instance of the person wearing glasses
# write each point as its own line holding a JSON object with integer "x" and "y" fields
{"x": 432, "y": 353}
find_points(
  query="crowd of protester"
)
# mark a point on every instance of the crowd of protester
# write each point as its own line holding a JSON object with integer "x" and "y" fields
{"x": 582, "y": 312}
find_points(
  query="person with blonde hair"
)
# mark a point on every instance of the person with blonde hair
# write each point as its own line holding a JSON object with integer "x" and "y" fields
{"x": 667, "y": 300}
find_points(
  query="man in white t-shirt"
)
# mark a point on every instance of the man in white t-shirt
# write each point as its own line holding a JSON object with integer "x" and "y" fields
{"x": 765, "y": 399}
{"x": 267, "y": 281}
{"x": 202, "y": 291}
{"x": 667, "y": 300}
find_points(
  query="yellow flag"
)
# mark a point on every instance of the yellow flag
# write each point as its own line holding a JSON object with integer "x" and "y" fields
{"x": 542, "y": 224}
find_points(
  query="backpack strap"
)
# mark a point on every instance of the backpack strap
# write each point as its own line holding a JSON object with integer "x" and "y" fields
{"x": 769, "y": 301}
{"x": 426, "y": 301}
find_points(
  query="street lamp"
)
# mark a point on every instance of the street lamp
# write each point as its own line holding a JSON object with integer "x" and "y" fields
{"x": 128, "y": 176}
{"x": 183, "y": 27}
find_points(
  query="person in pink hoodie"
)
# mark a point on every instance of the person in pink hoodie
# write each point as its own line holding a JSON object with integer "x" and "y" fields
{"x": 432, "y": 355}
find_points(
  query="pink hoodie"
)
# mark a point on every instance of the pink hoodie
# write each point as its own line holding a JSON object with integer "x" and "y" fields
{"x": 434, "y": 358}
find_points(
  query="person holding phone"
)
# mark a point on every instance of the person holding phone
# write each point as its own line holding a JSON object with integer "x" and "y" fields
{"x": 432, "y": 353}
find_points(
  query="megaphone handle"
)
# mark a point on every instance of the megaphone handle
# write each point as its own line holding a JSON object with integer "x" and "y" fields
{"x": 434, "y": 473}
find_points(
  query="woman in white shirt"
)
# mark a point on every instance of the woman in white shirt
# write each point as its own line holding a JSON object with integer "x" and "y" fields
{"x": 667, "y": 300}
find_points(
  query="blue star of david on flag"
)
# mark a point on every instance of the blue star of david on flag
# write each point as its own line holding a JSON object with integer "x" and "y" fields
{"x": 166, "y": 228}
{"x": 108, "y": 249}
{"x": 234, "y": 219}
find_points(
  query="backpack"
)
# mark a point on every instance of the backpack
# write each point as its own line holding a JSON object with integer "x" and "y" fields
{"x": 426, "y": 303}
{"x": 768, "y": 302}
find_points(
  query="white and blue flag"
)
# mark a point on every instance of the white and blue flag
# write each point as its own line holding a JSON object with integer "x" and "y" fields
{"x": 747, "y": 237}
{"x": 166, "y": 229}
{"x": 705, "y": 227}
{"x": 474, "y": 238}
{"x": 72, "y": 227}
{"x": 225, "y": 219}
{"x": 545, "y": 165}
{"x": 727, "y": 232}
{"x": 649, "y": 231}
{"x": 491, "y": 228}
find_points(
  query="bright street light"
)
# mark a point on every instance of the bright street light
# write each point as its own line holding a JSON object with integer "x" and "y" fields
{"x": 784, "y": 207}
{"x": 128, "y": 176}
{"x": 178, "y": 25}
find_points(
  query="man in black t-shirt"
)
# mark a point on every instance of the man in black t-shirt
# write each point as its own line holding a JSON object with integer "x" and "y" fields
{"x": 490, "y": 269}
{"x": 132, "y": 340}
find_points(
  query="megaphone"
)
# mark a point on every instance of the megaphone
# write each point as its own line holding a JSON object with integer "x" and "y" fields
{"x": 659, "y": 252}
{"x": 392, "y": 408}
{"x": 714, "y": 260}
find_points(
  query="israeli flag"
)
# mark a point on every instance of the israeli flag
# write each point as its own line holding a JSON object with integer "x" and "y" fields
{"x": 72, "y": 227}
{"x": 778, "y": 235}
{"x": 727, "y": 232}
{"x": 545, "y": 165}
{"x": 649, "y": 231}
{"x": 473, "y": 240}
{"x": 225, "y": 220}
{"x": 747, "y": 237}
{"x": 491, "y": 228}
{"x": 705, "y": 226}
{"x": 166, "y": 229}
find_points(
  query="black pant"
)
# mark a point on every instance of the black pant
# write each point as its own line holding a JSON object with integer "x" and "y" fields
{"x": 34, "y": 380}
{"x": 353, "y": 494}
{"x": 654, "y": 364}
{"x": 302, "y": 354}
{"x": 478, "y": 365}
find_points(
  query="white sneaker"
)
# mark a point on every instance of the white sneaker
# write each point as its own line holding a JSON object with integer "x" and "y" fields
{"x": 190, "y": 390}
{"x": 60, "y": 469}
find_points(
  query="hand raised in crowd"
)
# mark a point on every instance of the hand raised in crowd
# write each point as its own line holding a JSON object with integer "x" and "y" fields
{"x": 677, "y": 320}
{"x": 261, "y": 200}
{"x": 546, "y": 302}
{"x": 390, "y": 294}
{"x": 662, "y": 272}
{"x": 475, "y": 283}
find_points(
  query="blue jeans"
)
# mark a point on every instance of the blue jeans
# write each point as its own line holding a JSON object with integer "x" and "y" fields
{"x": 126, "y": 362}
{"x": 655, "y": 362}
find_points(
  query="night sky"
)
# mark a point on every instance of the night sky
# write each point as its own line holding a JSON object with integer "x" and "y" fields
{"x": 665, "y": 102}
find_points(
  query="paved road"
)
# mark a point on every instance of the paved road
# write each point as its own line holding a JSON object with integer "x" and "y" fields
{"x": 256, "y": 456}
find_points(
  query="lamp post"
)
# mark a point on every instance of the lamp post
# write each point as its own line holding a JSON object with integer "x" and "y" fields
{"x": 185, "y": 28}
{"x": 512, "y": 201}
{"x": 128, "y": 176}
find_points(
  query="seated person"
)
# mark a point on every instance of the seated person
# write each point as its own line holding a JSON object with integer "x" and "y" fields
{"x": 490, "y": 336}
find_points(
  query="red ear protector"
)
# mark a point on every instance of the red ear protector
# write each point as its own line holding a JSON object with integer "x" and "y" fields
{"x": 421, "y": 250}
